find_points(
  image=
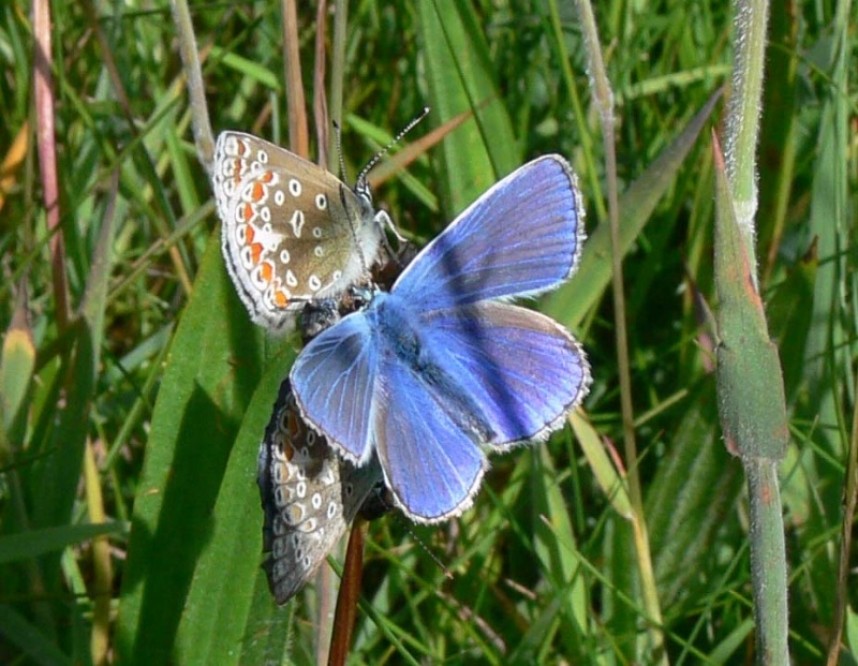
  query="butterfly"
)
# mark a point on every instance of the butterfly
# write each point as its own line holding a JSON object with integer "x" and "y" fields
{"x": 441, "y": 370}
{"x": 309, "y": 497}
{"x": 292, "y": 231}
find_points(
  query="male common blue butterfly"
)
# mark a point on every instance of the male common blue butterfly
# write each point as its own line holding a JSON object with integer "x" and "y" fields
{"x": 440, "y": 371}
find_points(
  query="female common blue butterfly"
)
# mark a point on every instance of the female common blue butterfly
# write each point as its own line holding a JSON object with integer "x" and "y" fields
{"x": 440, "y": 371}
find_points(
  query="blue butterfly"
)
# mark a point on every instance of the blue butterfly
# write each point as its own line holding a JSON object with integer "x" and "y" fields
{"x": 441, "y": 371}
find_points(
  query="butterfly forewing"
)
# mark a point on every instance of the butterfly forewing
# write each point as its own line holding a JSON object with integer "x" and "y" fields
{"x": 522, "y": 237}
{"x": 336, "y": 375}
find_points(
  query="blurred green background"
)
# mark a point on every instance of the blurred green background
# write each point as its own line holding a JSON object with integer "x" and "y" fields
{"x": 143, "y": 409}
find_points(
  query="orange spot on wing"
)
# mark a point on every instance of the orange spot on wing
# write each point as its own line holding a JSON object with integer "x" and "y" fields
{"x": 246, "y": 212}
{"x": 258, "y": 191}
{"x": 280, "y": 298}
{"x": 267, "y": 270}
{"x": 249, "y": 234}
{"x": 256, "y": 255}
{"x": 267, "y": 177}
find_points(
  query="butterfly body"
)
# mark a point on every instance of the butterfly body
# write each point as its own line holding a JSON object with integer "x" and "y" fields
{"x": 292, "y": 231}
{"x": 404, "y": 339}
{"x": 442, "y": 370}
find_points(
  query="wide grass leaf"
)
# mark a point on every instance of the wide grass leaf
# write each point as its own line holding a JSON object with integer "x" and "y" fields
{"x": 214, "y": 364}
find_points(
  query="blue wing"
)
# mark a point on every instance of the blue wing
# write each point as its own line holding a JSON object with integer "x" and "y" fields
{"x": 521, "y": 237}
{"x": 520, "y": 369}
{"x": 432, "y": 466}
{"x": 333, "y": 380}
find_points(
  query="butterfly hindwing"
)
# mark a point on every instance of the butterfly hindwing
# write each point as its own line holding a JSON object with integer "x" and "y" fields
{"x": 430, "y": 463}
{"x": 520, "y": 368}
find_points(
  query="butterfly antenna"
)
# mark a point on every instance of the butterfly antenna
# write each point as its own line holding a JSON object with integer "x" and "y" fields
{"x": 447, "y": 573}
{"x": 339, "y": 132}
{"x": 361, "y": 179}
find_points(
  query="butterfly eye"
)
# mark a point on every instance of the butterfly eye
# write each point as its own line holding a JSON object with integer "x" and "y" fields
{"x": 363, "y": 191}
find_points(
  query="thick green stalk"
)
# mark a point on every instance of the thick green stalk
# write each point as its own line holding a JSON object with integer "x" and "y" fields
{"x": 768, "y": 561}
{"x": 751, "y": 399}
{"x": 752, "y": 408}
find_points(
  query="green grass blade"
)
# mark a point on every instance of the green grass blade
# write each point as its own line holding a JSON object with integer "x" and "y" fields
{"x": 572, "y": 301}
{"x": 691, "y": 499}
{"x": 38, "y": 542}
{"x": 16, "y": 371}
{"x": 29, "y": 638}
{"x": 461, "y": 78}
{"x": 215, "y": 361}
{"x": 218, "y": 608}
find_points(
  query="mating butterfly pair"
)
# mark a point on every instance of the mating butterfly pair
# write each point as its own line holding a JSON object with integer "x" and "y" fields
{"x": 309, "y": 494}
{"x": 439, "y": 371}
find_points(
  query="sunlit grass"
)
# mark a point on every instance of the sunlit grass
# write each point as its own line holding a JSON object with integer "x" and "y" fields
{"x": 543, "y": 568}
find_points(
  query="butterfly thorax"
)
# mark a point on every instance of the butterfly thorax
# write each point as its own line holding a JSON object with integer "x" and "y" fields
{"x": 396, "y": 323}
{"x": 404, "y": 343}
